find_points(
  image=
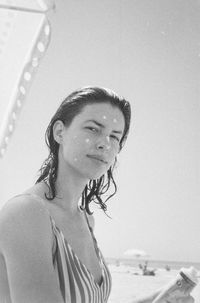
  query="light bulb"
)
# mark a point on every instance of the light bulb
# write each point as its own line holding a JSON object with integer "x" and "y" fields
{"x": 22, "y": 90}
{"x": 27, "y": 76}
{"x": 41, "y": 47}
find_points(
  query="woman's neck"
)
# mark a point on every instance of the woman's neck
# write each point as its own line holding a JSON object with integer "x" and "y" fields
{"x": 69, "y": 188}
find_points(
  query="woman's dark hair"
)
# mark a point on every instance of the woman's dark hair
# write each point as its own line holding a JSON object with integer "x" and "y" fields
{"x": 69, "y": 108}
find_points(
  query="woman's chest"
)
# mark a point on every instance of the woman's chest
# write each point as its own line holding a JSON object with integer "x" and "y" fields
{"x": 79, "y": 242}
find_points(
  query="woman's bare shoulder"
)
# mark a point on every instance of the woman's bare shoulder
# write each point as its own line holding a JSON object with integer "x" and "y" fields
{"x": 23, "y": 215}
{"x": 20, "y": 207}
{"x": 26, "y": 241}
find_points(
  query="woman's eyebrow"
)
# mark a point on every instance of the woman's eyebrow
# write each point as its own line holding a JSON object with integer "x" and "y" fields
{"x": 95, "y": 122}
{"x": 102, "y": 126}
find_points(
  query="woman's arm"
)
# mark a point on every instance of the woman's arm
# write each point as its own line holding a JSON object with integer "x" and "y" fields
{"x": 26, "y": 244}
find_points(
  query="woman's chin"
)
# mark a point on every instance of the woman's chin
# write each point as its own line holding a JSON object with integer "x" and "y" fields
{"x": 95, "y": 176}
{"x": 91, "y": 173}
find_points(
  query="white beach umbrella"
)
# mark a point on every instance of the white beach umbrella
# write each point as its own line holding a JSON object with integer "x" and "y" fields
{"x": 137, "y": 253}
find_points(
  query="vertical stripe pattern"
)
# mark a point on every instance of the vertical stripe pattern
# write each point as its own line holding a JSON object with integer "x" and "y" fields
{"x": 77, "y": 284}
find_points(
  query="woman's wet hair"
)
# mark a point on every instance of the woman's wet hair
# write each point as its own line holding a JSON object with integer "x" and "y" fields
{"x": 95, "y": 190}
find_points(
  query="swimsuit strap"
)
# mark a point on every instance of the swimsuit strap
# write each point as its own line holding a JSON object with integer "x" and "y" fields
{"x": 92, "y": 234}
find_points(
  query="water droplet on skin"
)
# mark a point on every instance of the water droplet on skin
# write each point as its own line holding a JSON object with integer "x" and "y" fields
{"x": 108, "y": 141}
{"x": 87, "y": 140}
{"x": 104, "y": 117}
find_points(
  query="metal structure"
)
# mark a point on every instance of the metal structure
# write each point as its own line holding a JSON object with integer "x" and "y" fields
{"x": 25, "y": 34}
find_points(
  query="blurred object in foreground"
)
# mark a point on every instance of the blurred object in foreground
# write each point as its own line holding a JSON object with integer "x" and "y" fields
{"x": 179, "y": 287}
{"x": 24, "y": 38}
{"x": 30, "y": 5}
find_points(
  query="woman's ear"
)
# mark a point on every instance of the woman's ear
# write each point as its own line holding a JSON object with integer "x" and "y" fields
{"x": 58, "y": 129}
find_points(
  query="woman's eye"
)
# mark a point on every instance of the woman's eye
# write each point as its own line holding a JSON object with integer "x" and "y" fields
{"x": 116, "y": 138}
{"x": 93, "y": 129}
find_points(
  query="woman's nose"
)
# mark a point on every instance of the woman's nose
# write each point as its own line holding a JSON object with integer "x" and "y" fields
{"x": 104, "y": 143}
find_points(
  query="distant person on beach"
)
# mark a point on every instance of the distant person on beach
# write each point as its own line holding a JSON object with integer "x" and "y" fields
{"x": 48, "y": 251}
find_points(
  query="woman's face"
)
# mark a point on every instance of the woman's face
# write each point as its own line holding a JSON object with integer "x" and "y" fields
{"x": 91, "y": 142}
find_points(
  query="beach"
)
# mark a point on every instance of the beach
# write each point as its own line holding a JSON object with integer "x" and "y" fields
{"x": 129, "y": 283}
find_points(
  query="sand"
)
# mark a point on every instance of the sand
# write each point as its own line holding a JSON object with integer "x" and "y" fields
{"x": 129, "y": 283}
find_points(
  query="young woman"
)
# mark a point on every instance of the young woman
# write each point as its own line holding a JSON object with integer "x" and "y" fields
{"x": 48, "y": 252}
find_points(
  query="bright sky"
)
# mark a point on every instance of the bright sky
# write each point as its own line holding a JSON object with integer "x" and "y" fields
{"x": 148, "y": 51}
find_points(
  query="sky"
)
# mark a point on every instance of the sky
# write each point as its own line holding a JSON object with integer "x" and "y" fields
{"x": 149, "y": 52}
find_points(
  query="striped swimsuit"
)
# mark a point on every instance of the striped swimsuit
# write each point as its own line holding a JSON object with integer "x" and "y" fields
{"x": 77, "y": 284}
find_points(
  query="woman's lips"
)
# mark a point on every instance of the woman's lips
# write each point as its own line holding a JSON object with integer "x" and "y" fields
{"x": 98, "y": 158}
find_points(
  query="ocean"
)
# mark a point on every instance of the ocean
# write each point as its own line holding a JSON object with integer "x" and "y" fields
{"x": 153, "y": 263}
